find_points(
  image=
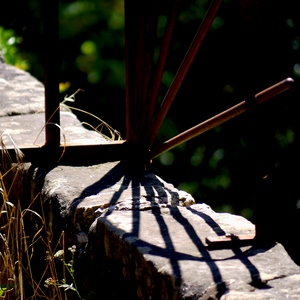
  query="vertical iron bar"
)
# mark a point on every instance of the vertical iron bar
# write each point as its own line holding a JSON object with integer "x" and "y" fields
{"x": 130, "y": 53}
{"x": 140, "y": 30}
{"x": 146, "y": 64}
{"x": 141, "y": 66}
{"x": 183, "y": 69}
{"x": 51, "y": 67}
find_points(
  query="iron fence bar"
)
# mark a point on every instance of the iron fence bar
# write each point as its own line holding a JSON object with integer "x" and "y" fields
{"x": 130, "y": 53}
{"x": 147, "y": 66}
{"x": 51, "y": 72}
{"x": 160, "y": 65}
{"x": 72, "y": 155}
{"x": 146, "y": 30}
{"x": 140, "y": 33}
{"x": 221, "y": 118}
{"x": 183, "y": 69}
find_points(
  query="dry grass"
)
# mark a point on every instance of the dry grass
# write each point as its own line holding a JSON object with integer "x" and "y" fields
{"x": 30, "y": 263}
{"x": 103, "y": 128}
{"x": 30, "y": 266}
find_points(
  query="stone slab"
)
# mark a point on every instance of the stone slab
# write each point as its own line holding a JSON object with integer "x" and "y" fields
{"x": 22, "y": 115}
{"x": 158, "y": 250}
{"x": 20, "y": 93}
{"x": 87, "y": 192}
{"x": 136, "y": 238}
{"x": 162, "y": 255}
{"x": 29, "y": 130}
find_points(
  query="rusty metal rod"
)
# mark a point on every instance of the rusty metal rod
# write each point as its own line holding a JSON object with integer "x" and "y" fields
{"x": 130, "y": 55}
{"x": 221, "y": 118}
{"x": 183, "y": 69}
{"x": 149, "y": 67}
{"x": 162, "y": 58}
{"x": 51, "y": 69}
{"x": 72, "y": 155}
{"x": 144, "y": 63}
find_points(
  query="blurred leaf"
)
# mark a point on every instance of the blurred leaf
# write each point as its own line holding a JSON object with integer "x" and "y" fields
{"x": 88, "y": 48}
{"x": 189, "y": 187}
{"x": 167, "y": 158}
{"x": 9, "y": 47}
{"x": 286, "y": 138}
{"x": 216, "y": 158}
{"x": 198, "y": 156}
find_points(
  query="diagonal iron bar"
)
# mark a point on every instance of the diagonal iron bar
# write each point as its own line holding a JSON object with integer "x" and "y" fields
{"x": 221, "y": 118}
{"x": 183, "y": 69}
{"x": 162, "y": 58}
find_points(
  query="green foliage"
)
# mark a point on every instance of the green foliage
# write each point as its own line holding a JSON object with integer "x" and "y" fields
{"x": 26, "y": 249}
{"x": 97, "y": 50}
{"x": 9, "y": 47}
{"x": 4, "y": 288}
{"x": 50, "y": 282}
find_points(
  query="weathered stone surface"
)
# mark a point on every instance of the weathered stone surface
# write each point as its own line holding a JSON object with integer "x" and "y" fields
{"x": 22, "y": 111}
{"x": 20, "y": 93}
{"x": 29, "y": 130}
{"x": 162, "y": 255}
{"x": 158, "y": 250}
{"x": 87, "y": 192}
{"x": 137, "y": 238}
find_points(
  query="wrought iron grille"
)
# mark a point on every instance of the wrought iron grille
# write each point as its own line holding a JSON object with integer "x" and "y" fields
{"x": 143, "y": 78}
{"x": 144, "y": 116}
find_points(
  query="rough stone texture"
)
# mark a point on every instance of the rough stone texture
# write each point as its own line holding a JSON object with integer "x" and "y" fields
{"x": 22, "y": 111}
{"x": 167, "y": 258}
{"x": 137, "y": 237}
{"x": 28, "y": 130}
{"x": 20, "y": 93}
{"x": 85, "y": 193}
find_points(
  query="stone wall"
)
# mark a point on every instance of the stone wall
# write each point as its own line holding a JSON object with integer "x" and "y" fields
{"x": 137, "y": 238}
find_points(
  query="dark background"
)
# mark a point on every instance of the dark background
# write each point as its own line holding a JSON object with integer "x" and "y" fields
{"x": 247, "y": 50}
